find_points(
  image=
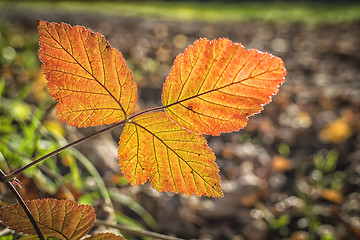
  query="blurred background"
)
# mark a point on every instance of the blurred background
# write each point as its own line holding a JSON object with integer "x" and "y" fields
{"x": 292, "y": 173}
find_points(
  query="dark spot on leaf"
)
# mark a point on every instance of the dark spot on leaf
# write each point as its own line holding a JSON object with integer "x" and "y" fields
{"x": 190, "y": 107}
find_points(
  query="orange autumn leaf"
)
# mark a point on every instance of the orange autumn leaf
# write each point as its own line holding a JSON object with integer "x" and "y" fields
{"x": 154, "y": 147}
{"x": 63, "y": 219}
{"x": 214, "y": 86}
{"x": 88, "y": 77}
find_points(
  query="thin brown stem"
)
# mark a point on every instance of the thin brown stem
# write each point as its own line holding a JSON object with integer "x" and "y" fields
{"x": 135, "y": 232}
{"x": 161, "y": 107}
{"x": 24, "y": 206}
{"x": 148, "y": 110}
{"x": 7, "y": 178}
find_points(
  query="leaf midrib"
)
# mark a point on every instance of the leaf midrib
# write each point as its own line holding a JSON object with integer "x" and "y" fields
{"x": 91, "y": 74}
{"x": 216, "y": 89}
{"x": 154, "y": 135}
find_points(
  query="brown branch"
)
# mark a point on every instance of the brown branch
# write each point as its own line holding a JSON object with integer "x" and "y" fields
{"x": 135, "y": 232}
{"x": 7, "y": 178}
{"x": 24, "y": 206}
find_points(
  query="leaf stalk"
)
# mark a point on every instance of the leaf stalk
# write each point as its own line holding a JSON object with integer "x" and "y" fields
{"x": 24, "y": 206}
{"x": 12, "y": 175}
{"x": 135, "y": 232}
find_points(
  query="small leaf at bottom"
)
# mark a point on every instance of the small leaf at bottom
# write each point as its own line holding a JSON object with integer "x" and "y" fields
{"x": 63, "y": 219}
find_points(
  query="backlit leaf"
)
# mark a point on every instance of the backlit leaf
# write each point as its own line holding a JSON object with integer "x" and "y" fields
{"x": 214, "y": 86}
{"x": 88, "y": 77}
{"x": 154, "y": 147}
{"x": 63, "y": 219}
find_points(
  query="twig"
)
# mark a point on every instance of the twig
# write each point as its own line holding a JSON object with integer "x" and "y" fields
{"x": 135, "y": 232}
{"x": 24, "y": 206}
{"x": 7, "y": 178}
{"x": 57, "y": 177}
